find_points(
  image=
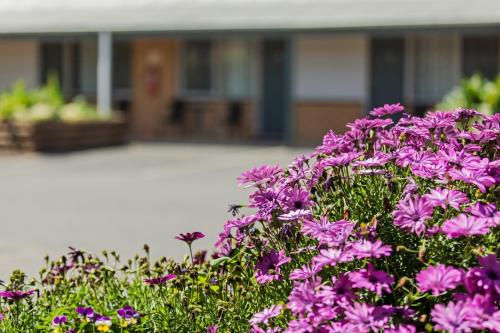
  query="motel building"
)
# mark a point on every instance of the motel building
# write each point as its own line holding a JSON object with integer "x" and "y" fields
{"x": 281, "y": 70}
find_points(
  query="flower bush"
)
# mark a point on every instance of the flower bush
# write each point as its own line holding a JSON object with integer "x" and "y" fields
{"x": 387, "y": 227}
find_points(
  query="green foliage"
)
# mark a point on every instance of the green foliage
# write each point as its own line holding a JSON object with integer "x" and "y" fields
{"x": 475, "y": 92}
{"x": 15, "y": 100}
{"x": 50, "y": 93}
{"x": 44, "y": 104}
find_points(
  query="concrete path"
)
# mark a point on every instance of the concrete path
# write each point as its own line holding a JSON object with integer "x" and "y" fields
{"x": 120, "y": 198}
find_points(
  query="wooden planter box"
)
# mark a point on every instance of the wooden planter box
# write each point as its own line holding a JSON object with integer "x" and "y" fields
{"x": 59, "y": 136}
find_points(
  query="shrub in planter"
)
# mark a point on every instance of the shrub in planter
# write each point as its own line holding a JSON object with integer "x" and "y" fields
{"x": 388, "y": 227}
{"x": 44, "y": 104}
{"x": 475, "y": 92}
{"x": 40, "y": 120}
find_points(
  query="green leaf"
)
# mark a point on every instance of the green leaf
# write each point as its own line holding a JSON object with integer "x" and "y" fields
{"x": 217, "y": 262}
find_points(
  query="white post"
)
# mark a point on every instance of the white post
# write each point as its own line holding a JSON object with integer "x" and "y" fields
{"x": 104, "y": 65}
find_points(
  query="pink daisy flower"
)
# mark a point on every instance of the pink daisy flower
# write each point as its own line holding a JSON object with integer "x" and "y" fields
{"x": 439, "y": 278}
{"x": 264, "y": 316}
{"x": 453, "y": 317}
{"x": 366, "y": 249}
{"x": 375, "y": 281}
{"x": 464, "y": 225}
{"x": 387, "y": 109}
{"x": 412, "y": 213}
{"x": 443, "y": 197}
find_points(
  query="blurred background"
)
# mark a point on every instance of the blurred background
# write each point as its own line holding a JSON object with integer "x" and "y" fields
{"x": 202, "y": 90}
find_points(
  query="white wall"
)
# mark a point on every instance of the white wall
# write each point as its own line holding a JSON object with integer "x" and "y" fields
{"x": 18, "y": 61}
{"x": 331, "y": 68}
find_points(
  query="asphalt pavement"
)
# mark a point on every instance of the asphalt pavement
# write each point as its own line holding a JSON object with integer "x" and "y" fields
{"x": 121, "y": 198}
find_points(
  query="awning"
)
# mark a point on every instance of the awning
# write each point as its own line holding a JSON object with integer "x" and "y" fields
{"x": 46, "y": 16}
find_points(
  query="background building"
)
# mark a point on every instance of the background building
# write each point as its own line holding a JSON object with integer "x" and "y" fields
{"x": 274, "y": 69}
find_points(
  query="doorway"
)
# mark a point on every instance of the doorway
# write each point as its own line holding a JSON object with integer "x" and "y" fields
{"x": 276, "y": 88}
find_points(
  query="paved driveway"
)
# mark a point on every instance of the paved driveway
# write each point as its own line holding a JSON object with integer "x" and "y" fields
{"x": 120, "y": 198}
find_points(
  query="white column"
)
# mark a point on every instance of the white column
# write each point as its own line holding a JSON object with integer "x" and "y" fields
{"x": 104, "y": 78}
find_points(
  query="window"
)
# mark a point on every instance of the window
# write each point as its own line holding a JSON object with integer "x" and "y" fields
{"x": 387, "y": 70}
{"x": 234, "y": 69}
{"x": 62, "y": 59}
{"x": 223, "y": 67}
{"x": 121, "y": 76}
{"x": 437, "y": 68}
{"x": 52, "y": 61}
{"x": 121, "y": 65}
{"x": 480, "y": 55}
{"x": 198, "y": 66}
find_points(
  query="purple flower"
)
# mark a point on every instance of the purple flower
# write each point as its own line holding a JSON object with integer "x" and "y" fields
{"x": 410, "y": 189}
{"x": 481, "y": 309}
{"x": 437, "y": 120}
{"x": 464, "y": 114}
{"x": 16, "y": 295}
{"x": 486, "y": 278}
{"x": 453, "y": 318}
{"x": 444, "y": 197}
{"x": 332, "y": 233}
{"x": 128, "y": 316}
{"x": 266, "y": 201}
{"x": 464, "y": 225}
{"x": 332, "y": 257}
{"x": 190, "y": 237}
{"x": 363, "y": 317}
{"x": 159, "y": 280}
{"x": 213, "y": 329}
{"x": 366, "y": 249}
{"x": 455, "y": 158}
{"x": 375, "y": 281}
{"x": 303, "y": 298}
{"x": 296, "y": 215}
{"x": 260, "y": 175}
{"x": 296, "y": 198}
{"x": 305, "y": 272}
{"x": 2, "y": 316}
{"x": 341, "y": 292}
{"x": 87, "y": 313}
{"x": 127, "y": 312}
{"x": 387, "y": 109}
{"x": 483, "y": 210}
{"x": 333, "y": 142}
{"x": 439, "y": 278}
{"x": 377, "y": 160}
{"x": 339, "y": 233}
{"x": 264, "y": 316}
{"x": 268, "y": 267}
{"x": 59, "y": 320}
{"x": 240, "y": 222}
{"x": 412, "y": 213}
{"x": 365, "y": 124}
{"x": 75, "y": 254}
{"x": 200, "y": 257}
{"x": 488, "y": 212}
{"x": 338, "y": 160}
{"x": 480, "y": 179}
{"x": 297, "y": 326}
{"x": 492, "y": 323}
